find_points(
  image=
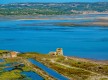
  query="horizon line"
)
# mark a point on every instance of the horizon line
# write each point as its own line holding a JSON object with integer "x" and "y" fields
{"x": 57, "y": 2}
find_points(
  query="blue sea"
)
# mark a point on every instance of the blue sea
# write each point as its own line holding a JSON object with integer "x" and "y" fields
{"x": 42, "y": 36}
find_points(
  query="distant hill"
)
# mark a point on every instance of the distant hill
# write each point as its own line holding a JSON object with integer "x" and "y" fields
{"x": 53, "y": 8}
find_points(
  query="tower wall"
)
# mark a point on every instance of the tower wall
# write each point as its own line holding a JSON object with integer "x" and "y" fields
{"x": 59, "y": 51}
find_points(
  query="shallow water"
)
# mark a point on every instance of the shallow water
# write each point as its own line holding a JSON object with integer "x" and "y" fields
{"x": 50, "y": 71}
{"x": 8, "y": 69}
{"x": 32, "y": 75}
{"x": 28, "y": 36}
{"x": 1, "y": 60}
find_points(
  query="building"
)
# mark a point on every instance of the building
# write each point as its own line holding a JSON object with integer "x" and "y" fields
{"x": 59, "y": 51}
{"x": 8, "y": 54}
{"x": 13, "y": 54}
{"x": 52, "y": 53}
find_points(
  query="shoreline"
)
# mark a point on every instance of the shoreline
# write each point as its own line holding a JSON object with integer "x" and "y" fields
{"x": 55, "y": 17}
{"x": 74, "y": 57}
{"x": 94, "y": 20}
{"x": 88, "y": 60}
{"x": 32, "y": 61}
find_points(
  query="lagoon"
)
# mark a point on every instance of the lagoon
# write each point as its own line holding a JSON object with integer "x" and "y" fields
{"x": 1, "y": 60}
{"x": 32, "y": 75}
{"x": 42, "y": 36}
{"x": 50, "y": 71}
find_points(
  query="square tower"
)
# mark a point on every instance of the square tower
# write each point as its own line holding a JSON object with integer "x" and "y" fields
{"x": 59, "y": 51}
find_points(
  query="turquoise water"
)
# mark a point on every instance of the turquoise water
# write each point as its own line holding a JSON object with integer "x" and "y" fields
{"x": 10, "y": 66}
{"x": 48, "y": 70}
{"x": 32, "y": 75}
{"x": 1, "y": 60}
{"x": 42, "y": 36}
{"x": 9, "y": 69}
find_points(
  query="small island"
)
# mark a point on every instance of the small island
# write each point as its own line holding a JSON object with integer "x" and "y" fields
{"x": 31, "y": 65}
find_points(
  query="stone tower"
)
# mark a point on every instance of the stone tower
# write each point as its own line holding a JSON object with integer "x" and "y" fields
{"x": 59, "y": 51}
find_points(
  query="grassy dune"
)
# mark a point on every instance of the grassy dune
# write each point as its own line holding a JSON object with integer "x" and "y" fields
{"x": 73, "y": 68}
{"x": 70, "y": 67}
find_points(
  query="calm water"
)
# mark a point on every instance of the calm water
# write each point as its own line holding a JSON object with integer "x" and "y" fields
{"x": 1, "y": 60}
{"x": 9, "y": 69}
{"x": 35, "y": 35}
{"x": 48, "y": 70}
{"x": 32, "y": 75}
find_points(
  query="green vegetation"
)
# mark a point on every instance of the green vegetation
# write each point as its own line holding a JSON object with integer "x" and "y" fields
{"x": 16, "y": 72}
{"x": 10, "y": 75}
{"x": 104, "y": 79}
{"x": 73, "y": 68}
{"x": 71, "y": 72}
{"x": 102, "y": 69}
{"x": 70, "y": 67}
{"x": 51, "y": 8}
{"x": 1, "y": 51}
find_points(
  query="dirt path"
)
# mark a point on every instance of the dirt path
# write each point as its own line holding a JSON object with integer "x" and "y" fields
{"x": 37, "y": 70}
{"x": 95, "y": 76}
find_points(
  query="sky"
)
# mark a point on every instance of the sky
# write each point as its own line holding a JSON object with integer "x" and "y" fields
{"x": 14, "y": 1}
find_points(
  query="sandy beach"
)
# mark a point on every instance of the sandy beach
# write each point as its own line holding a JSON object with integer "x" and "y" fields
{"x": 94, "y": 20}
